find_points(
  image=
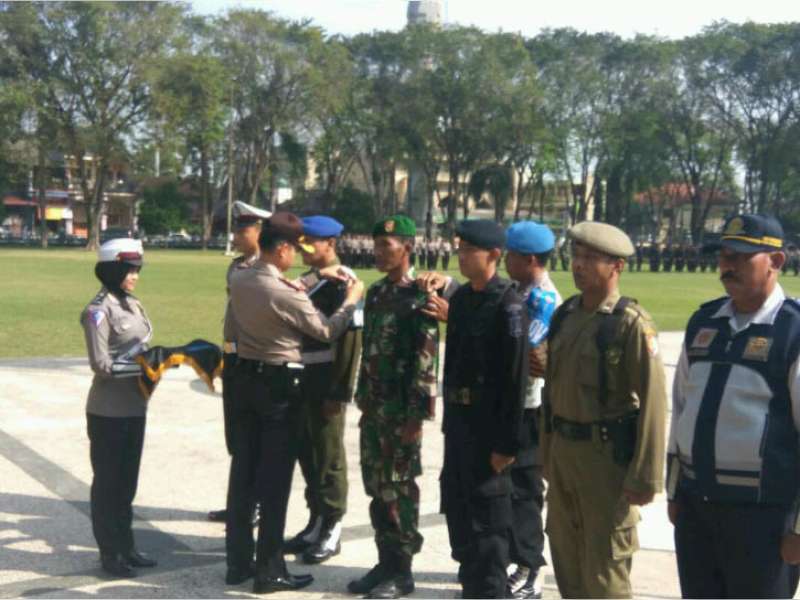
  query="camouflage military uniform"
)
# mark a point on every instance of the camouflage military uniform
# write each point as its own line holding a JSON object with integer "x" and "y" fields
{"x": 397, "y": 385}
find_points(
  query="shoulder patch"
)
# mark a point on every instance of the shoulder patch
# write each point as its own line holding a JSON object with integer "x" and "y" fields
{"x": 651, "y": 337}
{"x": 96, "y": 317}
{"x": 514, "y": 312}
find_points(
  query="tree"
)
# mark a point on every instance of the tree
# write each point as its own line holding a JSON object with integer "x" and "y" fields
{"x": 163, "y": 209}
{"x": 575, "y": 93}
{"x": 699, "y": 141}
{"x": 276, "y": 84}
{"x": 91, "y": 59}
{"x": 190, "y": 91}
{"x": 751, "y": 74}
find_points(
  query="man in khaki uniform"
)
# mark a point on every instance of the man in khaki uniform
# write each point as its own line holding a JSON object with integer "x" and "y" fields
{"x": 272, "y": 315}
{"x": 605, "y": 414}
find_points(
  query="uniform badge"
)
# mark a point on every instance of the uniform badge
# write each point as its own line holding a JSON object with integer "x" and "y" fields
{"x": 757, "y": 348}
{"x": 97, "y": 317}
{"x": 652, "y": 342}
{"x": 388, "y": 226}
{"x": 735, "y": 227}
{"x": 704, "y": 337}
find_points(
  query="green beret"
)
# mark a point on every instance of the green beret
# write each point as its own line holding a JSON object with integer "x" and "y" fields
{"x": 602, "y": 237}
{"x": 399, "y": 225}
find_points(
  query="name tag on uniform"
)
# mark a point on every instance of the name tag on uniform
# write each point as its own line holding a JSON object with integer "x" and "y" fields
{"x": 702, "y": 341}
{"x": 757, "y": 348}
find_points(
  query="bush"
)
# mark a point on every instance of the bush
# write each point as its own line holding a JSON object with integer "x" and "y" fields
{"x": 163, "y": 209}
{"x": 355, "y": 210}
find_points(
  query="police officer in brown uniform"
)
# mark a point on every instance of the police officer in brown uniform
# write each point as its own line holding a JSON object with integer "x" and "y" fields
{"x": 247, "y": 226}
{"x": 605, "y": 414}
{"x": 272, "y": 315}
{"x": 116, "y": 329}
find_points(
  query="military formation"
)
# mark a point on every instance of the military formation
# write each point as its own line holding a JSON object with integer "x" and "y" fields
{"x": 540, "y": 396}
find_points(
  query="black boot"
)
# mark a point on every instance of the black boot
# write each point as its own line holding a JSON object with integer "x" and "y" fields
{"x": 116, "y": 565}
{"x": 327, "y": 545}
{"x": 399, "y": 584}
{"x": 376, "y": 575}
{"x": 305, "y": 538}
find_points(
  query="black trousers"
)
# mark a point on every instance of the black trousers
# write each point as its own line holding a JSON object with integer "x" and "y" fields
{"x": 477, "y": 507}
{"x": 732, "y": 550}
{"x": 115, "y": 449}
{"x": 527, "y": 500}
{"x": 263, "y": 460}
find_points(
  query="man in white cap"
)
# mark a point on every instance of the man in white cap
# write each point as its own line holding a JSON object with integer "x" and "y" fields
{"x": 246, "y": 227}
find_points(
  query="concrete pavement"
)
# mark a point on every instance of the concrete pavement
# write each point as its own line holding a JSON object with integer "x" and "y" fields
{"x": 46, "y": 543}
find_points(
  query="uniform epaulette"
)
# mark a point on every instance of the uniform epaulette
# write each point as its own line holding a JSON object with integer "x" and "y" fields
{"x": 716, "y": 302}
{"x": 98, "y": 299}
{"x": 794, "y": 303}
{"x": 637, "y": 309}
{"x": 290, "y": 284}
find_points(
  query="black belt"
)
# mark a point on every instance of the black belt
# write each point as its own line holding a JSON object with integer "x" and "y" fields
{"x": 462, "y": 396}
{"x": 577, "y": 432}
{"x": 259, "y": 366}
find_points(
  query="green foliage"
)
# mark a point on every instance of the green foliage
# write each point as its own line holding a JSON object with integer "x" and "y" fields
{"x": 355, "y": 210}
{"x": 163, "y": 209}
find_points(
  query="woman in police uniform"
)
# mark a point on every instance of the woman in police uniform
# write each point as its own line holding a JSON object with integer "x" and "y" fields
{"x": 116, "y": 328}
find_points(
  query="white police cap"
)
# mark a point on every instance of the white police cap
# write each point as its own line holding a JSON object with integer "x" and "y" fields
{"x": 125, "y": 250}
{"x": 246, "y": 214}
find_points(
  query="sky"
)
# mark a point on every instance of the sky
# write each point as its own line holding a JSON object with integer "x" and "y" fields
{"x": 666, "y": 18}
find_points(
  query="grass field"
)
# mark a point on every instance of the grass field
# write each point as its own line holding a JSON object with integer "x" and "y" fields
{"x": 44, "y": 291}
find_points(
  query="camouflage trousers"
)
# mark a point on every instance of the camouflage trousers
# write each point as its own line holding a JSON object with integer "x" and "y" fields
{"x": 389, "y": 469}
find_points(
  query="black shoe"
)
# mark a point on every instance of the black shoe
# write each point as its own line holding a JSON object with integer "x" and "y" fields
{"x": 396, "y": 587}
{"x": 530, "y": 590}
{"x": 218, "y": 516}
{"x": 319, "y": 553}
{"x": 116, "y": 565}
{"x": 327, "y": 545}
{"x": 137, "y": 559}
{"x": 283, "y": 583}
{"x": 237, "y": 575}
{"x": 376, "y": 575}
{"x": 305, "y": 538}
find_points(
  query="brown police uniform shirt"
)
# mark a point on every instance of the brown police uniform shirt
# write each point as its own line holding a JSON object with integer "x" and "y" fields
{"x": 229, "y": 324}
{"x": 635, "y": 381}
{"x": 272, "y": 314}
{"x": 115, "y": 332}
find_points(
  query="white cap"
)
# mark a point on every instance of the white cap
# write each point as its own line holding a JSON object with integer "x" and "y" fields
{"x": 247, "y": 214}
{"x": 121, "y": 249}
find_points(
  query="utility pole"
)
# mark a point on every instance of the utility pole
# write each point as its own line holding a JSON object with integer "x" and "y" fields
{"x": 228, "y": 251}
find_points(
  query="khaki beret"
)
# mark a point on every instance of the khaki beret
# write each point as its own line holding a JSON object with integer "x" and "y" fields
{"x": 602, "y": 237}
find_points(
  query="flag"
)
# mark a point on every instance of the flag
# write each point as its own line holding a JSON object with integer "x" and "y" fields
{"x": 203, "y": 356}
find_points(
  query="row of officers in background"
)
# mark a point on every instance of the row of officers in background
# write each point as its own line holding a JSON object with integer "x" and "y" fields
{"x": 535, "y": 390}
{"x": 357, "y": 252}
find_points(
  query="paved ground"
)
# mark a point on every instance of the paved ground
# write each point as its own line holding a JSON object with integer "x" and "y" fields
{"x": 46, "y": 544}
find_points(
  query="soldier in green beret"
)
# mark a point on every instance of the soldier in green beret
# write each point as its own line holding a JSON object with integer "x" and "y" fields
{"x": 396, "y": 393}
{"x": 604, "y": 420}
